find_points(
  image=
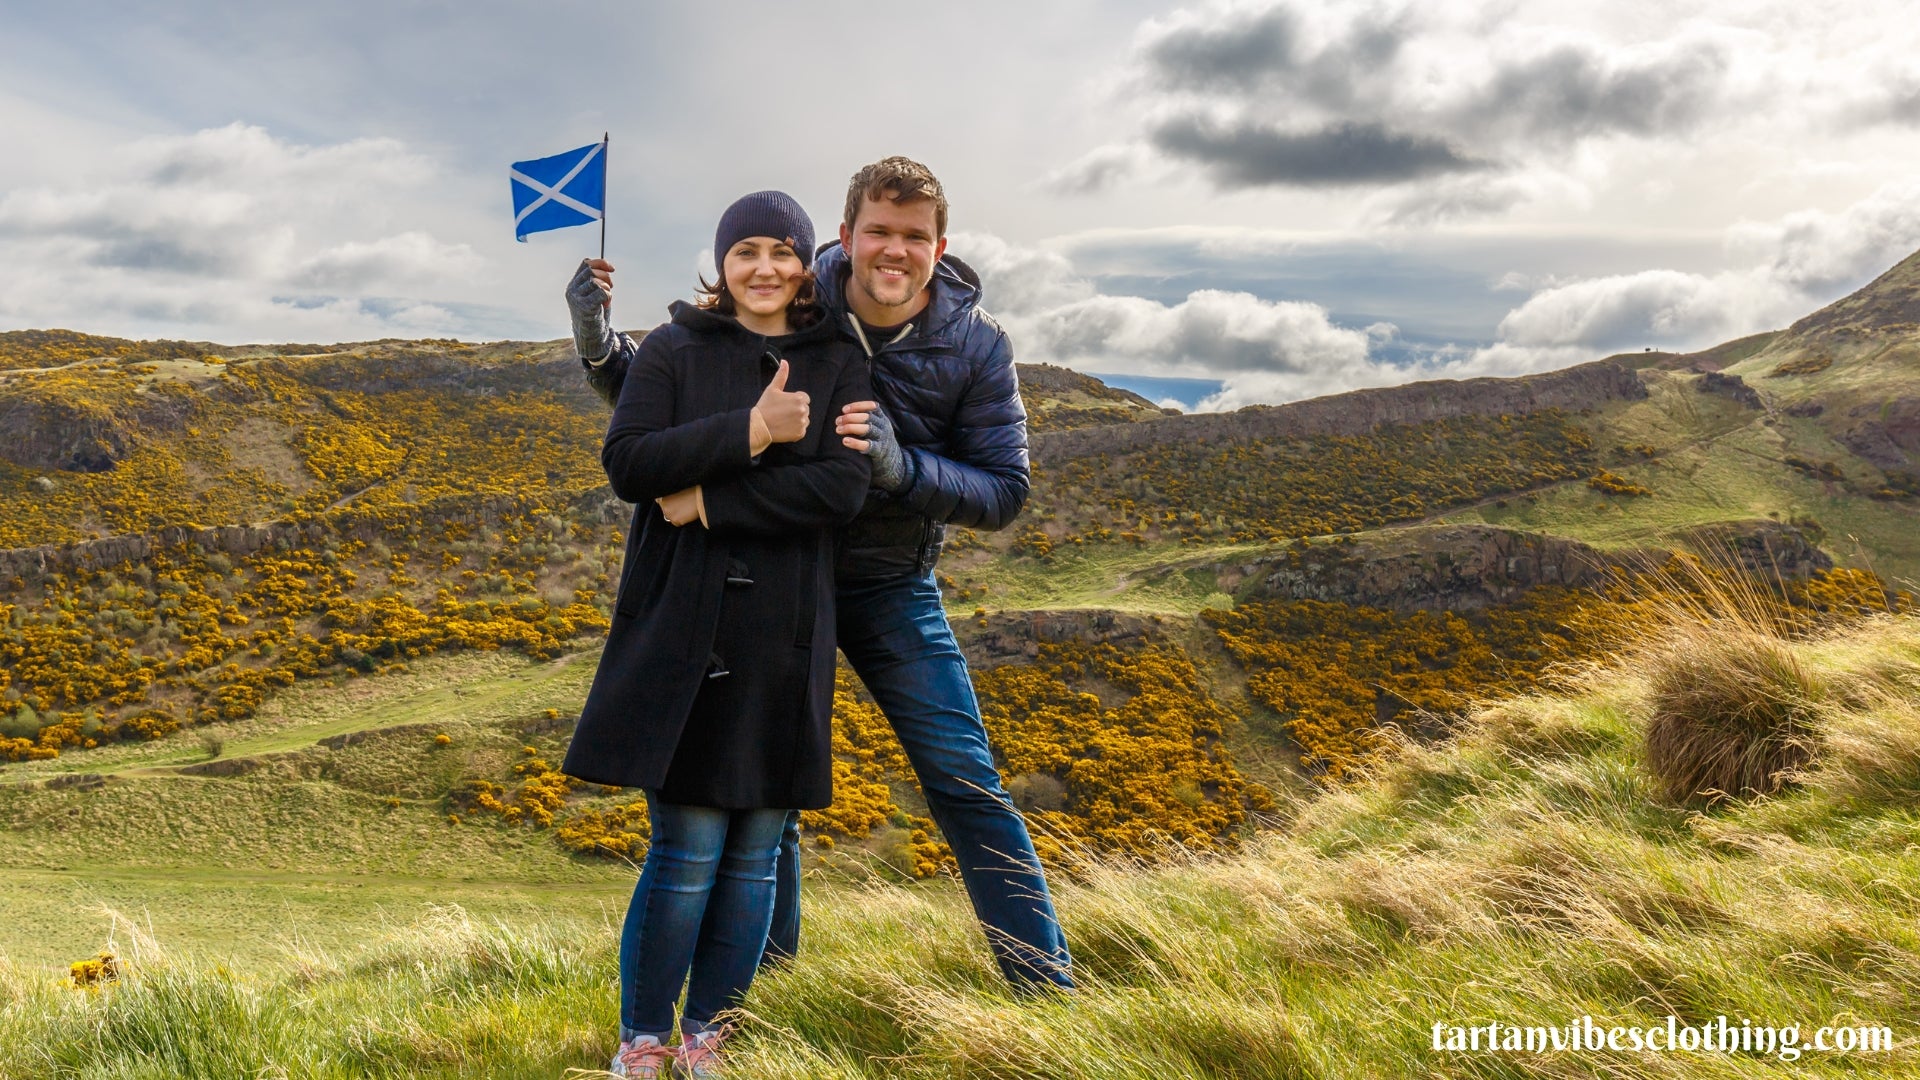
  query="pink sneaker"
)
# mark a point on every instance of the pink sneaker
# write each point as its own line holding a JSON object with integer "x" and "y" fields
{"x": 700, "y": 1057}
{"x": 643, "y": 1058}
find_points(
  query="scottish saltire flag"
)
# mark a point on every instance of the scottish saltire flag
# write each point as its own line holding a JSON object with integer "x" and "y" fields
{"x": 558, "y": 191}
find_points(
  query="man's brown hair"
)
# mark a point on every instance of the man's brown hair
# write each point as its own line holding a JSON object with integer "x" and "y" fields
{"x": 902, "y": 180}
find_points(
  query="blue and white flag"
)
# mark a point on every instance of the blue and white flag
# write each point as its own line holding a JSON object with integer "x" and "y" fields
{"x": 558, "y": 191}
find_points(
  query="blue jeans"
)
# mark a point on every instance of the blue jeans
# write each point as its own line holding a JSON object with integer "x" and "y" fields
{"x": 702, "y": 907}
{"x": 895, "y": 635}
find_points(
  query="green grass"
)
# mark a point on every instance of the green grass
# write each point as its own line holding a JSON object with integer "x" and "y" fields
{"x": 257, "y": 919}
{"x": 1527, "y": 872}
{"x": 1719, "y": 462}
{"x": 318, "y": 843}
{"x": 1163, "y": 579}
{"x": 454, "y": 688}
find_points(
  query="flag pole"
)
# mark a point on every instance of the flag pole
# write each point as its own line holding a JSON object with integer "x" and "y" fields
{"x": 605, "y": 139}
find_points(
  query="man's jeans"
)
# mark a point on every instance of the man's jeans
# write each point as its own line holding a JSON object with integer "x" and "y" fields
{"x": 703, "y": 904}
{"x": 895, "y": 635}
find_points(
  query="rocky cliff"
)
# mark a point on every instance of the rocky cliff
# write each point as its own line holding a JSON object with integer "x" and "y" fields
{"x": 1469, "y": 567}
{"x": 70, "y": 432}
{"x": 33, "y": 563}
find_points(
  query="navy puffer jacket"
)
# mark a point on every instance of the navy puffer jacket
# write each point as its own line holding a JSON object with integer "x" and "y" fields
{"x": 955, "y": 403}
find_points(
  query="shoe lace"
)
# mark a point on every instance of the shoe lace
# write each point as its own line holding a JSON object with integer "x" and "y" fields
{"x": 645, "y": 1054}
{"x": 704, "y": 1051}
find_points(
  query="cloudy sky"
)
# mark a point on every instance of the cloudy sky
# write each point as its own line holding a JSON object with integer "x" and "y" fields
{"x": 1256, "y": 201}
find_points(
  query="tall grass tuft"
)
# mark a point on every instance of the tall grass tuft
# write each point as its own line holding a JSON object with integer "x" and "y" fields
{"x": 1731, "y": 713}
{"x": 1732, "y": 709}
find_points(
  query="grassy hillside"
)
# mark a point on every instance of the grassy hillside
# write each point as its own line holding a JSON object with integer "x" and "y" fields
{"x": 1704, "y": 459}
{"x": 1823, "y": 426}
{"x": 1534, "y": 869}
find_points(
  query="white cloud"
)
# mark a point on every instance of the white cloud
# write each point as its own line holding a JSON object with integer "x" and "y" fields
{"x": 1264, "y": 350}
{"x": 1210, "y": 331}
{"x": 231, "y": 232}
{"x": 1625, "y": 310}
{"x": 399, "y": 260}
{"x": 1817, "y": 252}
{"x": 1795, "y": 265}
{"x": 1268, "y": 351}
{"x": 1022, "y": 280}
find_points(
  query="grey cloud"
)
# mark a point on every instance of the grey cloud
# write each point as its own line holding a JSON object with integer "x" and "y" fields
{"x": 130, "y": 229}
{"x": 1237, "y": 53}
{"x": 1903, "y": 107}
{"x": 1893, "y": 101}
{"x": 1292, "y": 93}
{"x": 1435, "y": 203}
{"x": 171, "y": 254}
{"x": 408, "y": 256}
{"x": 1574, "y": 91}
{"x": 1248, "y": 153}
{"x": 1246, "y": 51}
{"x": 1095, "y": 171}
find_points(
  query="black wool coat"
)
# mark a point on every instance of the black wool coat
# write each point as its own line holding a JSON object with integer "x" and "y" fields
{"x": 716, "y": 685}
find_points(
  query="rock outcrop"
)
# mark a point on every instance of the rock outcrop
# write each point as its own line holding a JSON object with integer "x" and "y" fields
{"x": 1452, "y": 567}
{"x": 1884, "y": 433}
{"x": 1011, "y": 635}
{"x": 1469, "y": 567}
{"x": 73, "y": 434}
{"x": 1731, "y": 387}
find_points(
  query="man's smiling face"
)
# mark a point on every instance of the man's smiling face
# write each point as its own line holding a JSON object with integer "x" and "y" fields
{"x": 893, "y": 248}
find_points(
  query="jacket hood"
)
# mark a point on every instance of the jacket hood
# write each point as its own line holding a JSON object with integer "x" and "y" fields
{"x": 956, "y": 288}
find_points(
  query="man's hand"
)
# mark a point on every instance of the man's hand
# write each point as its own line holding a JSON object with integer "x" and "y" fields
{"x": 589, "y": 298}
{"x": 682, "y": 507}
{"x": 892, "y": 469}
{"x": 785, "y": 414}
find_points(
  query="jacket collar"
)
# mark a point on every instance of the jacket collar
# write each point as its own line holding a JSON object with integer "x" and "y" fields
{"x": 706, "y": 321}
{"x": 955, "y": 288}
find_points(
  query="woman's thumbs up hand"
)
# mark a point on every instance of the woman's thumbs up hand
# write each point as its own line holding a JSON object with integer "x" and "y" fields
{"x": 784, "y": 414}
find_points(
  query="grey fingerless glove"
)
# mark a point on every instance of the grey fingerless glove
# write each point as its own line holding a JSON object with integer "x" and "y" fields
{"x": 587, "y": 301}
{"x": 892, "y": 468}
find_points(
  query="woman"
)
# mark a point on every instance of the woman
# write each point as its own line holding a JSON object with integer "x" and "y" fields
{"x": 715, "y": 690}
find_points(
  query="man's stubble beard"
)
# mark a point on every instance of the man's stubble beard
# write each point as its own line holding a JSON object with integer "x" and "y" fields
{"x": 865, "y": 284}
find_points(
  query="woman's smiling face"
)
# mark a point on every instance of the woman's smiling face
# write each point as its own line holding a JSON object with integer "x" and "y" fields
{"x": 763, "y": 275}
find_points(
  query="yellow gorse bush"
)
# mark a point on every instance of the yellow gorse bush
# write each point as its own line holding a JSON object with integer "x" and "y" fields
{"x": 91, "y": 973}
{"x": 1244, "y": 490}
{"x": 1336, "y": 672}
{"x": 191, "y": 636}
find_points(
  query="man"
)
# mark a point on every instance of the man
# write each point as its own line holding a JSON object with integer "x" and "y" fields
{"x": 948, "y": 441}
